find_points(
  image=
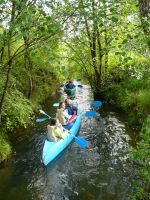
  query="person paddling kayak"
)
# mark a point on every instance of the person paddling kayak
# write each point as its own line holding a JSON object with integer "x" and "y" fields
{"x": 55, "y": 131}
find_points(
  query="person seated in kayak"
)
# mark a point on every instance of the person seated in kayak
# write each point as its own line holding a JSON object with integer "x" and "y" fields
{"x": 55, "y": 131}
{"x": 62, "y": 114}
{"x": 71, "y": 109}
{"x": 70, "y": 85}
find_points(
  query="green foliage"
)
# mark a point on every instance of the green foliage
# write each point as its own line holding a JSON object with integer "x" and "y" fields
{"x": 134, "y": 85}
{"x": 142, "y": 156}
{"x": 143, "y": 103}
{"x": 112, "y": 92}
{"x": 130, "y": 93}
{"x": 5, "y": 148}
{"x": 47, "y": 88}
{"x": 17, "y": 110}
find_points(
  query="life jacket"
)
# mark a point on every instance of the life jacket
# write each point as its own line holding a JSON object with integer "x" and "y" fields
{"x": 58, "y": 131}
{"x": 72, "y": 110}
{"x": 63, "y": 116}
{"x": 50, "y": 134}
{"x": 69, "y": 110}
{"x": 60, "y": 116}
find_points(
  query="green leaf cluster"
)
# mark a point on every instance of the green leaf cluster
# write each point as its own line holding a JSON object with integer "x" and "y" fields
{"x": 17, "y": 110}
{"x": 141, "y": 156}
{"x": 130, "y": 92}
{"x": 4, "y": 146}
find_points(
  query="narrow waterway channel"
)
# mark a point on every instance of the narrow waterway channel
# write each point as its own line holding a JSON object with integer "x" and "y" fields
{"x": 101, "y": 172}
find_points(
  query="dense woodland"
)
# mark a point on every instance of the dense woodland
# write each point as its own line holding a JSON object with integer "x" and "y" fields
{"x": 105, "y": 42}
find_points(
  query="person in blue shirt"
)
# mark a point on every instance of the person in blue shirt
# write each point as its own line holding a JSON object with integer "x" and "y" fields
{"x": 71, "y": 109}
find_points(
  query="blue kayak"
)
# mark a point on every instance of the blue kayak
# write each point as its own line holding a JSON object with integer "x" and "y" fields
{"x": 52, "y": 149}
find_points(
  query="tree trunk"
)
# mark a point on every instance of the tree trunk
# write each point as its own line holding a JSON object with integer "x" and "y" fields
{"x": 92, "y": 43}
{"x": 99, "y": 53}
{"x": 2, "y": 53}
{"x": 9, "y": 60}
{"x": 28, "y": 66}
{"x": 106, "y": 53}
{"x": 7, "y": 80}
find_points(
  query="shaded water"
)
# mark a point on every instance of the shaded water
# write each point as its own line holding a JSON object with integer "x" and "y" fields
{"x": 101, "y": 172}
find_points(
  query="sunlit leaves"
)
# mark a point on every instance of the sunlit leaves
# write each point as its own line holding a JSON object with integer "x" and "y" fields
{"x": 17, "y": 110}
{"x": 142, "y": 156}
{"x": 30, "y": 23}
{"x": 114, "y": 19}
{"x": 4, "y": 146}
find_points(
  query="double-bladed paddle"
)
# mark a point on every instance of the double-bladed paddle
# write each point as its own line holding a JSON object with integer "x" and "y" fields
{"x": 90, "y": 113}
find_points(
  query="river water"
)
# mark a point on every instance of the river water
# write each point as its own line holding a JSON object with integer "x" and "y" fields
{"x": 103, "y": 171}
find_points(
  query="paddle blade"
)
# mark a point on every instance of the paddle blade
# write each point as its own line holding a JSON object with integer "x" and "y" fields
{"x": 41, "y": 119}
{"x": 91, "y": 113}
{"x": 44, "y": 113}
{"x": 56, "y": 104}
{"x": 81, "y": 86}
{"x": 96, "y": 103}
{"x": 81, "y": 142}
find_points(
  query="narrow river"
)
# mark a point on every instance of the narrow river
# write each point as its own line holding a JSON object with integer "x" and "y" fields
{"x": 101, "y": 172}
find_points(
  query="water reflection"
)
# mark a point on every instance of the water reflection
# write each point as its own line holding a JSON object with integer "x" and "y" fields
{"x": 100, "y": 172}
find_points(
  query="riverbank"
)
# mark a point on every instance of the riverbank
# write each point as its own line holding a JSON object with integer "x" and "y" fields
{"x": 131, "y": 96}
{"x": 21, "y": 114}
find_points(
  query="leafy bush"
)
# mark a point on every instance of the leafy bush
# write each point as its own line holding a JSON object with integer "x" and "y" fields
{"x": 5, "y": 148}
{"x": 142, "y": 156}
{"x": 143, "y": 102}
{"x": 130, "y": 94}
{"x": 112, "y": 93}
{"x": 17, "y": 110}
{"x": 133, "y": 84}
